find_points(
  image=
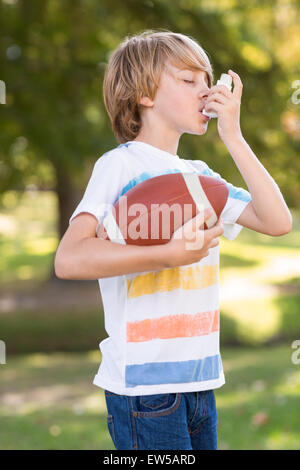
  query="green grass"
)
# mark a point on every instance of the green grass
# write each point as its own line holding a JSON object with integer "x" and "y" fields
{"x": 259, "y": 404}
{"x": 28, "y": 236}
{"x": 48, "y": 401}
{"x": 48, "y": 331}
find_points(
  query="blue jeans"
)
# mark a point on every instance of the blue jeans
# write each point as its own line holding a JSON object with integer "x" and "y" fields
{"x": 180, "y": 421}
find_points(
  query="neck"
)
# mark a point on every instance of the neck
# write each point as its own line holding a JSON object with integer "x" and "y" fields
{"x": 169, "y": 145}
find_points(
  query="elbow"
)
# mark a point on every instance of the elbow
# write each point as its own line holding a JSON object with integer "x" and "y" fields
{"x": 60, "y": 269}
{"x": 59, "y": 273}
{"x": 284, "y": 229}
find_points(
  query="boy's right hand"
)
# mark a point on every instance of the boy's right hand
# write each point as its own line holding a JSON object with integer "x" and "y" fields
{"x": 189, "y": 243}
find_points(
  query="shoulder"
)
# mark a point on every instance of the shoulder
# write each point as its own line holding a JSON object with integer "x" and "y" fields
{"x": 199, "y": 165}
{"x": 202, "y": 168}
{"x": 112, "y": 158}
{"x": 112, "y": 154}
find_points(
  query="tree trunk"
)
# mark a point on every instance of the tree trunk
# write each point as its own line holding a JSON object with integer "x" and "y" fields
{"x": 69, "y": 197}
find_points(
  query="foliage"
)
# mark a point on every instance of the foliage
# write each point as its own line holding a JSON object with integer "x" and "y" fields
{"x": 53, "y": 56}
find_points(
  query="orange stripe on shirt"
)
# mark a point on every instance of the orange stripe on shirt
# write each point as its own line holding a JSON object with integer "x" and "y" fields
{"x": 193, "y": 277}
{"x": 173, "y": 326}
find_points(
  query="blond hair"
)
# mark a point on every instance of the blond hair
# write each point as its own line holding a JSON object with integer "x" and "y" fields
{"x": 134, "y": 71}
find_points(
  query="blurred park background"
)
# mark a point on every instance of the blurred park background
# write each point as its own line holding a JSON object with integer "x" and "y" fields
{"x": 53, "y": 129}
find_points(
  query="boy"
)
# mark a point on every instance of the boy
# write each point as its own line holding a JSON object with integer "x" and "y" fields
{"x": 161, "y": 360}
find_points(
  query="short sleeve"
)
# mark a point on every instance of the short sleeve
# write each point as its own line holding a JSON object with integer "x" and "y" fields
{"x": 108, "y": 178}
{"x": 238, "y": 199}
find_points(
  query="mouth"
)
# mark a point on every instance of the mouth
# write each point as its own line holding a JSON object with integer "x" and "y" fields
{"x": 203, "y": 115}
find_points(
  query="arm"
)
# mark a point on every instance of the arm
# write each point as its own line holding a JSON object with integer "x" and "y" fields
{"x": 83, "y": 256}
{"x": 268, "y": 212}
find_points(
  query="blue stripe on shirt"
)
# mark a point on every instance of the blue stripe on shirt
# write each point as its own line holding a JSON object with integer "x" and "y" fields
{"x": 145, "y": 176}
{"x": 156, "y": 373}
{"x": 235, "y": 193}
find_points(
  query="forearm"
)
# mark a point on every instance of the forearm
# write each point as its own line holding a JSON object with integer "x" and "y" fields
{"x": 93, "y": 258}
{"x": 268, "y": 202}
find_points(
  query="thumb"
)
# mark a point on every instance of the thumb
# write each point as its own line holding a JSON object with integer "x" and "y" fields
{"x": 194, "y": 223}
{"x": 201, "y": 217}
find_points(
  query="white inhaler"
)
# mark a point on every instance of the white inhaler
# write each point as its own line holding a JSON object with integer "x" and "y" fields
{"x": 226, "y": 80}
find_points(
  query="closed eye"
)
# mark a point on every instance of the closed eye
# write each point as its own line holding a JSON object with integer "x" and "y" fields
{"x": 188, "y": 81}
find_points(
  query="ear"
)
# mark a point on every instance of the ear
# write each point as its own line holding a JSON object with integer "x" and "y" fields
{"x": 145, "y": 101}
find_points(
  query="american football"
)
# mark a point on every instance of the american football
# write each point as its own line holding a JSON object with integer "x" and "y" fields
{"x": 150, "y": 212}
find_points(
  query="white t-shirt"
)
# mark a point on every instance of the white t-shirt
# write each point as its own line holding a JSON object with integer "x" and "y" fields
{"x": 162, "y": 326}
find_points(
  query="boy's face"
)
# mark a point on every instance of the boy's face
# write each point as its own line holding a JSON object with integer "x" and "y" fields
{"x": 180, "y": 96}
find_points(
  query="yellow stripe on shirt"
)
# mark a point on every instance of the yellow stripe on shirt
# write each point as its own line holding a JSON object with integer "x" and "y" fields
{"x": 193, "y": 277}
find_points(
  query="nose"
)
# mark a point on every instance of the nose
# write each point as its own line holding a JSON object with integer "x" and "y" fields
{"x": 203, "y": 90}
{"x": 202, "y": 96}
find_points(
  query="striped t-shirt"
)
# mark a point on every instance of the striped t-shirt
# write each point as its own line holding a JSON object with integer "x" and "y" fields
{"x": 163, "y": 326}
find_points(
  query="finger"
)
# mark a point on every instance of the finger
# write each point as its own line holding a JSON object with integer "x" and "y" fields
{"x": 219, "y": 98}
{"x": 222, "y": 89}
{"x": 213, "y": 106}
{"x": 204, "y": 214}
{"x": 214, "y": 242}
{"x": 215, "y": 231}
{"x": 238, "y": 85}
{"x": 199, "y": 219}
{"x": 208, "y": 212}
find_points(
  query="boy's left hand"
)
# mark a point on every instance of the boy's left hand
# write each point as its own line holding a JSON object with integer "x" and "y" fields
{"x": 227, "y": 104}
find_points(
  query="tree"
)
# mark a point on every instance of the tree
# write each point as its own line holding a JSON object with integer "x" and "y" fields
{"x": 53, "y": 56}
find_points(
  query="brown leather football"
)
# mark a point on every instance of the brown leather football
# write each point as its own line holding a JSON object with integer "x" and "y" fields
{"x": 150, "y": 212}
